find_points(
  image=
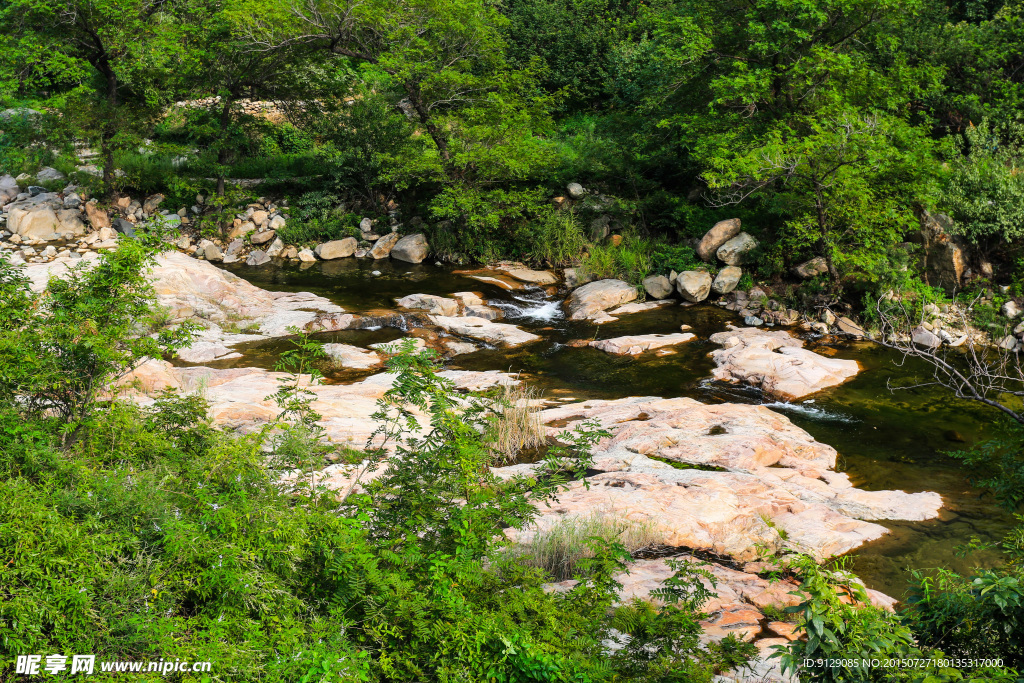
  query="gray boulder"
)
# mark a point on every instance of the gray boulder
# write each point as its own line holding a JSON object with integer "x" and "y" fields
{"x": 212, "y": 252}
{"x": 336, "y": 249}
{"x": 925, "y": 338}
{"x": 124, "y": 227}
{"x": 575, "y": 190}
{"x": 257, "y": 258}
{"x": 275, "y": 248}
{"x": 600, "y": 228}
{"x": 48, "y": 173}
{"x": 694, "y": 285}
{"x": 657, "y": 287}
{"x": 720, "y": 233}
{"x": 8, "y": 188}
{"x": 735, "y": 251}
{"x": 411, "y": 248}
{"x": 726, "y": 280}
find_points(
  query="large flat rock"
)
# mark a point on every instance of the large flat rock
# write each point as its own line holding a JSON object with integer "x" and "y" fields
{"x": 777, "y": 363}
{"x": 766, "y": 485}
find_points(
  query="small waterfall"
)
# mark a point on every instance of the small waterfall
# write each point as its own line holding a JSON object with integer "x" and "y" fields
{"x": 532, "y": 305}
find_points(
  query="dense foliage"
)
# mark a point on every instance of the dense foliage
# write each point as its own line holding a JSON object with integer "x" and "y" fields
{"x": 828, "y": 125}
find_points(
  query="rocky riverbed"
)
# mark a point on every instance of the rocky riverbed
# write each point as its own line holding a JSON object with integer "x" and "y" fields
{"x": 718, "y": 476}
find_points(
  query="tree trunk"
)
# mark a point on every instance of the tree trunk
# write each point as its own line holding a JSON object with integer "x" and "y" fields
{"x": 412, "y": 89}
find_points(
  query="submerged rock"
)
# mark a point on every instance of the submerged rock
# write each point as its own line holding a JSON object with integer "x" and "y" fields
{"x": 777, "y": 363}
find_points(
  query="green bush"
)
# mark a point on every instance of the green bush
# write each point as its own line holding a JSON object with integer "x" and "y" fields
{"x": 318, "y": 217}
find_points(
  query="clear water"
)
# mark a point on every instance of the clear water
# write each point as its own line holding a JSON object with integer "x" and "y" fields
{"x": 886, "y": 440}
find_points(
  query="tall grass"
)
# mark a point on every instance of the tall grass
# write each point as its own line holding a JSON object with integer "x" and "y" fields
{"x": 631, "y": 260}
{"x": 515, "y": 425}
{"x": 560, "y": 549}
{"x": 560, "y": 239}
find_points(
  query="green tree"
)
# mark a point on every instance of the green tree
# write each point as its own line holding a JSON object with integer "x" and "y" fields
{"x": 61, "y": 348}
{"x": 108, "y": 66}
{"x": 481, "y": 116}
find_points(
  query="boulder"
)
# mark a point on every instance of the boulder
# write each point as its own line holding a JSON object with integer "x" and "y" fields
{"x": 212, "y": 252}
{"x": 8, "y": 188}
{"x": 590, "y": 300}
{"x": 813, "y": 268}
{"x": 242, "y": 229}
{"x": 263, "y": 237}
{"x": 600, "y": 228}
{"x": 336, "y": 249}
{"x": 720, "y": 233}
{"x": 575, "y": 190}
{"x": 48, "y": 173}
{"x": 72, "y": 201}
{"x": 276, "y": 248}
{"x": 847, "y": 326}
{"x": 735, "y": 251}
{"x": 257, "y": 258}
{"x": 276, "y": 223}
{"x": 71, "y": 221}
{"x": 365, "y": 225}
{"x": 382, "y": 247}
{"x": 1008, "y": 343}
{"x": 694, "y": 285}
{"x": 926, "y": 338}
{"x": 636, "y": 344}
{"x": 411, "y": 248}
{"x": 152, "y": 203}
{"x": 259, "y": 217}
{"x": 36, "y": 217}
{"x": 352, "y": 357}
{"x": 658, "y": 287}
{"x": 435, "y": 305}
{"x": 726, "y": 280}
{"x": 1010, "y": 310}
{"x": 126, "y": 228}
{"x": 307, "y": 256}
{"x": 777, "y": 363}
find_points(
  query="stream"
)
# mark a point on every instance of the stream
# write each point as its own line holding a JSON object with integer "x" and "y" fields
{"x": 885, "y": 439}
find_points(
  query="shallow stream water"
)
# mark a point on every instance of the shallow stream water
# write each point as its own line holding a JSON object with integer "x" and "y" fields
{"x": 885, "y": 439}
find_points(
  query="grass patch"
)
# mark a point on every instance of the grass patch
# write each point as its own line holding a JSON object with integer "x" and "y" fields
{"x": 560, "y": 549}
{"x": 515, "y": 425}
